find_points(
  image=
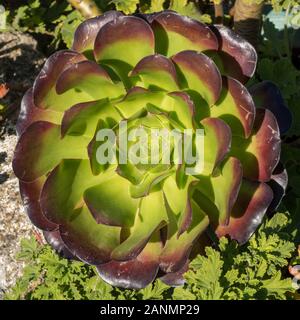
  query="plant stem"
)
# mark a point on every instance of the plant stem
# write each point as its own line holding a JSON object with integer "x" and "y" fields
{"x": 219, "y": 12}
{"x": 248, "y": 20}
{"x": 87, "y": 8}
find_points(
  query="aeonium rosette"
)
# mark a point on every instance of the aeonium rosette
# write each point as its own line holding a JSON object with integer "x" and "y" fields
{"x": 156, "y": 73}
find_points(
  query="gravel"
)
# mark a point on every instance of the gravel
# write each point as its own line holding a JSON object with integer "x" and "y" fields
{"x": 14, "y": 224}
{"x": 19, "y": 64}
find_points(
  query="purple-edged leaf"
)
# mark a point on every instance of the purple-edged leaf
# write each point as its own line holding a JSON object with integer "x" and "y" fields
{"x": 278, "y": 183}
{"x": 30, "y": 193}
{"x": 177, "y": 248}
{"x": 122, "y": 43}
{"x": 137, "y": 100}
{"x": 54, "y": 239}
{"x": 87, "y": 31}
{"x": 217, "y": 142}
{"x": 44, "y": 93}
{"x": 64, "y": 188}
{"x": 175, "y": 279}
{"x": 29, "y": 113}
{"x": 83, "y": 117}
{"x": 236, "y": 107}
{"x": 260, "y": 153}
{"x": 267, "y": 95}
{"x": 89, "y": 78}
{"x": 151, "y": 216}
{"x": 62, "y": 202}
{"x": 178, "y": 200}
{"x": 136, "y": 273}
{"x": 155, "y": 71}
{"x": 222, "y": 190}
{"x": 253, "y": 201}
{"x": 200, "y": 74}
{"x": 236, "y": 57}
{"x": 89, "y": 241}
{"x": 179, "y": 108}
{"x": 149, "y": 17}
{"x": 40, "y": 148}
{"x": 174, "y": 33}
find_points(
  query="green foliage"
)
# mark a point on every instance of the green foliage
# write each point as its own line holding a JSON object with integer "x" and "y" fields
{"x": 154, "y": 6}
{"x": 189, "y": 9}
{"x": 251, "y": 272}
{"x": 48, "y": 276}
{"x": 59, "y": 20}
{"x": 291, "y": 160}
{"x": 275, "y": 65}
{"x": 227, "y": 272}
{"x": 127, "y": 6}
{"x": 54, "y": 18}
{"x": 67, "y": 28}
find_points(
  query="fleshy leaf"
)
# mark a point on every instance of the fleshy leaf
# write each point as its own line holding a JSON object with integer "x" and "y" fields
{"x": 89, "y": 241}
{"x": 30, "y": 193}
{"x": 236, "y": 56}
{"x": 222, "y": 190}
{"x": 110, "y": 202}
{"x": 136, "y": 102}
{"x": 175, "y": 279}
{"x": 136, "y": 273}
{"x": 235, "y": 106}
{"x": 87, "y": 31}
{"x": 44, "y": 92}
{"x": 149, "y": 181}
{"x": 179, "y": 202}
{"x": 62, "y": 202}
{"x": 151, "y": 216}
{"x": 64, "y": 188}
{"x": 252, "y": 203}
{"x": 54, "y": 239}
{"x": 36, "y": 146}
{"x": 177, "y": 249}
{"x": 156, "y": 71}
{"x": 278, "y": 183}
{"x": 130, "y": 172}
{"x": 217, "y": 142}
{"x": 122, "y": 43}
{"x": 83, "y": 118}
{"x": 174, "y": 33}
{"x": 180, "y": 108}
{"x": 267, "y": 95}
{"x": 88, "y": 78}
{"x": 199, "y": 73}
{"x": 29, "y": 113}
{"x": 259, "y": 154}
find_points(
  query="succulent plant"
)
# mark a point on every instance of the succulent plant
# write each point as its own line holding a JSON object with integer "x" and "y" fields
{"x": 166, "y": 71}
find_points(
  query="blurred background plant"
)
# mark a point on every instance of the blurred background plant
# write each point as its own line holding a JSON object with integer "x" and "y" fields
{"x": 272, "y": 26}
{"x": 58, "y": 19}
